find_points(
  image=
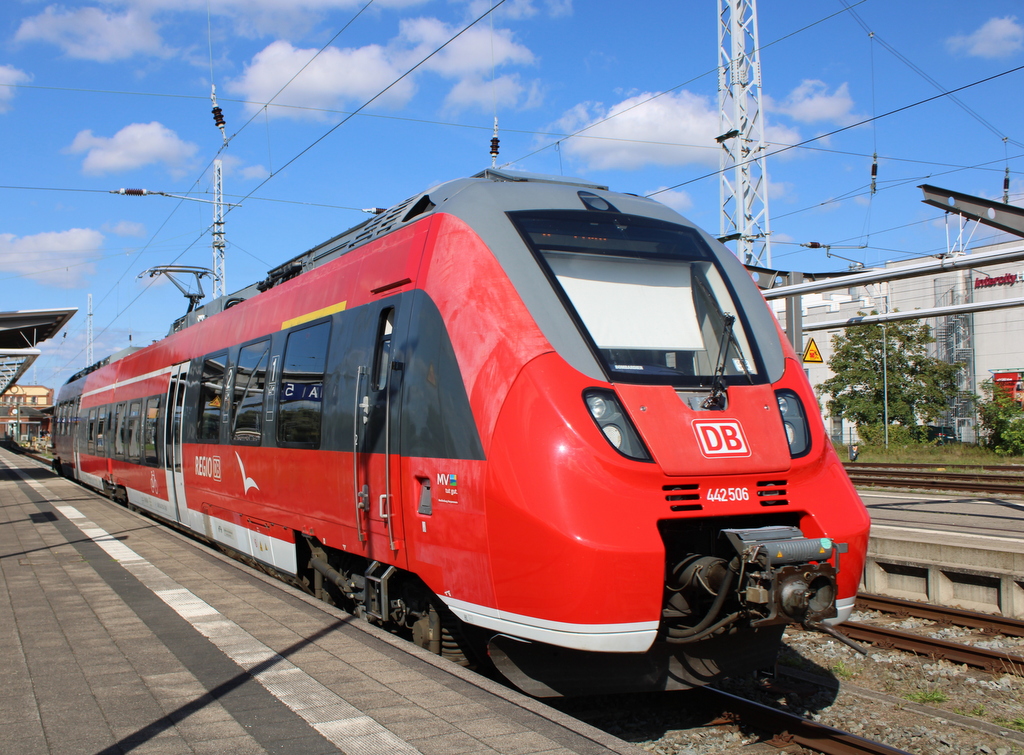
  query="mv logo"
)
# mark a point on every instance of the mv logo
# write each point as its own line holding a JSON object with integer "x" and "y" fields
{"x": 721, "y": 437}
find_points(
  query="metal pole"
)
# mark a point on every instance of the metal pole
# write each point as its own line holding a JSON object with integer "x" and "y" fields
{"x": 794, "y": 315}
{"x": 219, "y": 275}
{"x": 885, "y": 389}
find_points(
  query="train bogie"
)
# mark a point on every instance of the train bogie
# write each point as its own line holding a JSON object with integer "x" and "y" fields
{"x": 527, "y": 414}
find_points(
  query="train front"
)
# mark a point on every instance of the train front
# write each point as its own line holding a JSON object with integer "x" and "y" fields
{"x": 662, "y": 497}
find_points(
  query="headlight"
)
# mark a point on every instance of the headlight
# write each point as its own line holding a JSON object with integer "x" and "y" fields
{"x": 613, "y": 423}
{"x": 599, "y": 407}
{"x": 613, "y": 434}
{"x": 794, "y": 422}
{"x": 783, "y": 404}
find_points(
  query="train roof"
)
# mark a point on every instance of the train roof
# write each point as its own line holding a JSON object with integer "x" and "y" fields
{"x": 481, "y": 200}
{"x": 386, "y": 221}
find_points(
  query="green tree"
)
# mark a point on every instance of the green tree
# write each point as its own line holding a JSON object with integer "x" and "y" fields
{"x": 919, "y": 387}
{"x": 1002, "y": 420}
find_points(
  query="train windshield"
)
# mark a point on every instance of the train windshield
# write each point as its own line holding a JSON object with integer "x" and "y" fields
{"x": 649, "y": 294}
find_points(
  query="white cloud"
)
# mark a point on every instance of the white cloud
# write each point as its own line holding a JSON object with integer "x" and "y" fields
{"x": 484, "y": 94}
{"x": 11, "y": 77}
{"x": 57, "y": 258}
{"x": 134, "y": 146}
{"x": 674, "y": 129}
{"x": 811, "y": 102}
{"x": 677, "y": 199}
{"x": 335, "y": 77}
{"x": 91, "y": 34}
{"x": 234, "y": 166}
{"x": 340, "y": 76}
{"x": 476, "y": 51}
{"x": 781, "y": 191}
{"x": 126, "y": 228}
{"x": 997, "y": 38}
{"x": 519, "y": 9}
{"x": 254, "y": 173}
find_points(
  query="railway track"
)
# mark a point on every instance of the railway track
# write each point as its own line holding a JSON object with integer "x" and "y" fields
{"x": 1007, "y": 480}
{"x": 789, "y": 729}
{"x": 991, "y": 660}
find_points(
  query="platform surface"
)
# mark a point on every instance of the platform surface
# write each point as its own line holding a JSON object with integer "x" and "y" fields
{"x": 119, "y": 636}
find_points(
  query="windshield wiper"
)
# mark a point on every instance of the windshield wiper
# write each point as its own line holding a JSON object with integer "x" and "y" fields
{"x": 716, "y": 399}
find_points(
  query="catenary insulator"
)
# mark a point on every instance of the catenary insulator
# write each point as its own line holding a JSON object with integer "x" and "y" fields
{"x": 494, "y": 146}
{"x": 133, "y": 192}
{"x": 218, "y": 117}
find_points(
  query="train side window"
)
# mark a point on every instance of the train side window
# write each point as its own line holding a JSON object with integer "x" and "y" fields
{"x": 101, "y": 421}
{"x": 300, "y": 391}
{"x": 118, "y": 430}
{"x": 249, "y": 387}
{"x": 382, "y": 359}
{"x": 149, "y": 432}
{"x": 134, "y": 428}
{"x": 211, "y": 397}
{"x": 92, "y": 431}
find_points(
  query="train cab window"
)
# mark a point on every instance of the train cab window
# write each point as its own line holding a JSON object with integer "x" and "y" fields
{"x": 300, "y": 391}
{"x": 249, "y": 387}
{"x": 149, "y": 431}
{"x": 651, "y": 297}
{"x": 211, "y": 398}
{"x": 382, "y": 359}
{"x": 118, "y": 430}
{"x": 134, "y": 427}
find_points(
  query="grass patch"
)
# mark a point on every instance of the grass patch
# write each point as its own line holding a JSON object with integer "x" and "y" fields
{"x": 925, "y": 453}
{"x": 1012, "y": 723}
{"x": 840, "y": 669}
{"x": 927, "y": 696}
{"x": 978, "y": 711}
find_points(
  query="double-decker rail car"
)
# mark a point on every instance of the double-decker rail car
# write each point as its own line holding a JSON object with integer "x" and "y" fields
{"x": 516, "y": 417}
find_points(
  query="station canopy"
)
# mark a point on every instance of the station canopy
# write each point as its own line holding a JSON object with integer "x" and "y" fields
{"x": 20, "y": 334}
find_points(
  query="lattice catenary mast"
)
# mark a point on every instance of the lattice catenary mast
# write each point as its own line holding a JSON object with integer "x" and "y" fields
{"x": 219, "y": 275}
{"x": 744, "y": 182}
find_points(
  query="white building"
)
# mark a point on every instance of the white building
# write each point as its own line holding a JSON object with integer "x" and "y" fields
{"x": 986, "y": 343}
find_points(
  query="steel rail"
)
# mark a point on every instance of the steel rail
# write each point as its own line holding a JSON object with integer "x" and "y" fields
{"x": 933, "y": 481}
{"x": 789, "y": 729}
{"x": 993, "y": 661}
{"x": 958, "y": 468}
{"x": 987, "y": 622}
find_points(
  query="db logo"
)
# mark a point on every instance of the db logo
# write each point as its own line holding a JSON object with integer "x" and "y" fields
{"x": 721, "y": 437}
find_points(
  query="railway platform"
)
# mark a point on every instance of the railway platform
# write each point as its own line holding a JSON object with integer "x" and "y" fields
{"x": 119, "y": 635}
{"x": 950, "y": 550}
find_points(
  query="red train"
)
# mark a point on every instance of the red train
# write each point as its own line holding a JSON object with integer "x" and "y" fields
{"x": 518, "y": 418}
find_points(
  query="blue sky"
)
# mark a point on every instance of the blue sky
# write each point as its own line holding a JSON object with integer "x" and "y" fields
{"x": 95, "y": 96}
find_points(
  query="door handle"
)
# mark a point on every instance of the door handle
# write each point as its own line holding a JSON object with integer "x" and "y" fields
{"x": 384, "y": 505}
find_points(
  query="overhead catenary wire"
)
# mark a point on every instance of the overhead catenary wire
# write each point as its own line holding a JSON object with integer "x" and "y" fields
{"x": 653, "y": 97}
{"x": 302, "y": 152}
{"x": 841, "y": 129}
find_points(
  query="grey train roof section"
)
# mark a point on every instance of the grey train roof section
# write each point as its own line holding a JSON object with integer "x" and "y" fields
{"x": 482, "y": 202}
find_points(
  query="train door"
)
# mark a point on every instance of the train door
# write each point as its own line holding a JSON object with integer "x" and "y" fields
{"x": 76, "y": 425}
{"x": 377, "y": 453}
{"x": 172, "y": 440}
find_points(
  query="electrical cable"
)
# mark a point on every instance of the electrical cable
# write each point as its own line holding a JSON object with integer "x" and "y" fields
{"x": 840, "y": 130}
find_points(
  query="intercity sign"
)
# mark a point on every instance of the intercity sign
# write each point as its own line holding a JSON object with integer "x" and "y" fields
{"x": 999, "y": 280}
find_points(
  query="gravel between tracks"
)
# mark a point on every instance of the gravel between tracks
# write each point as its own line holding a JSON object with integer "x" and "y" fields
{"x": 911, "y": 703}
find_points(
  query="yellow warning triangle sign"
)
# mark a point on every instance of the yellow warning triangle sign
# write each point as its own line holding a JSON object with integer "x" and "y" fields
{"x": 811, "y": 353}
